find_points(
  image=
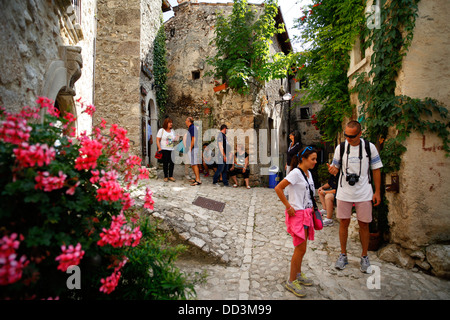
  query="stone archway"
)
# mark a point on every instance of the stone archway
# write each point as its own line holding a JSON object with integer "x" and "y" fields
{"x": 60, "y": 78}
{"x": 152, "y": 112}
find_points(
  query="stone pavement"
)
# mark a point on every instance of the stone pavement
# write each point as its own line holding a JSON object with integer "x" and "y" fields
{"x": 247, "y": 250}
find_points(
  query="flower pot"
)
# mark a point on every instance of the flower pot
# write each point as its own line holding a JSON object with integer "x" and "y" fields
{"x": 374, "y": 241}
{"x": 221, "y": 87}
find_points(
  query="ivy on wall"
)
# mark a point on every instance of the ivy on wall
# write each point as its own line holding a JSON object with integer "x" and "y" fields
{"x": 160, "y": 69}
{"x": 381, "y": 108}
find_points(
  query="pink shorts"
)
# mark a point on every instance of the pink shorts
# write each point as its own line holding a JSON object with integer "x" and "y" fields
{"x": 363, "y": 210}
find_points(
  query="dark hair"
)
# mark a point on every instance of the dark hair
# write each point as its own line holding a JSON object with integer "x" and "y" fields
{"x": 224, "y": 126}
{"x": 166, "y": 123}
{"x": 296, "y": 135}
{"x": 303, "y": 153}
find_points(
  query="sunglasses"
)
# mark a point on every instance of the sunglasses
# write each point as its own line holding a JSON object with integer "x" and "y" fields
{"x": 307, "y": 148}
{"x": 351, "y": 136}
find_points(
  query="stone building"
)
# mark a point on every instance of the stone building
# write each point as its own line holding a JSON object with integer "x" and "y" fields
{"x": 95, "y": 50}
{"x": 189, "y": 33}
{"x": 41, "y": 53}
{"x": 124, "y": 60}
{"x": 419, "y": 216}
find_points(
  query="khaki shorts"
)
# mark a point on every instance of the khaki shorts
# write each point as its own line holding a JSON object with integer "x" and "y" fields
{"x": 363, "y": 210}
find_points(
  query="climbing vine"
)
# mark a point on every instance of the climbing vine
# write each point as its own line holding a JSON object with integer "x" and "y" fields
{"x": 381, "y": 108}
{"x": 160, "y": 69}
{"x": 243, "y": 43}
{"x": 329, "y": 29}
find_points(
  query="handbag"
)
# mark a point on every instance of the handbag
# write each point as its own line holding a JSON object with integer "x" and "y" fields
{"x": 158, "y": 155}
{"x": 317, "y": 217}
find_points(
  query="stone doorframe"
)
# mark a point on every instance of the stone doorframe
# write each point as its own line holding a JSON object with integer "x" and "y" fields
{"x": 152, "y": 113}
{"x": 60, "y": 78}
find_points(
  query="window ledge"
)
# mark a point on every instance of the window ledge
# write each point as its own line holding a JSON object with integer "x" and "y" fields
{"x": 356, "y": 67}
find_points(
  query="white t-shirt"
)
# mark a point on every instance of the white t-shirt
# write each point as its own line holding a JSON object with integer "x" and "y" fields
{"x": 167, "y": 139}
{"x": 362, "y": 190}
{"x": 298, "y": 190}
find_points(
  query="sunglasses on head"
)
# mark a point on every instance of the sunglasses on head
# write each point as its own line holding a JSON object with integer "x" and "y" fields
{"x": 351, "y": 136}
{"x": 304, "y": 150}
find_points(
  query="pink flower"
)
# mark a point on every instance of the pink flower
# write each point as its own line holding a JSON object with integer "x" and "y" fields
{"x": 120, "y": 234}
{"x": 119, "y": 136}
{"x": 69, "y": 117}
{"x": 44, "y": 102}
{"x": 90, "y": 109}
{"x": 10, "y": 268}
{"x": 143, "y": 174}
{"x": 110, "y": 283}
{"x": 127, "y": 201}
{"x": 49, "y": 183}
{"x": 70, "y": 257}
{"x": 110, "y": 189}
{"x": 30, "y": 155}
{"x": 14, "y": 130}
{"x": 89, "y": 152}
{"x": 148, "y": 201}
{"x": 49, "y": 104}
{"x": 71, "y": 190}
{"x": 95, "y": 176}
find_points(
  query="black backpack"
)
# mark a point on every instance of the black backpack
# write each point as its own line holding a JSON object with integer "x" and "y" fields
{"x": 342, "y": 150}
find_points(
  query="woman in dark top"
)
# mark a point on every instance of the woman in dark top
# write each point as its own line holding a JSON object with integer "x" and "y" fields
{"x": 293, "y": 148}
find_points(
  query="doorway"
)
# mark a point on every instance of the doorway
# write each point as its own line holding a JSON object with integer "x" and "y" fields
{"x": 153, "y": 118}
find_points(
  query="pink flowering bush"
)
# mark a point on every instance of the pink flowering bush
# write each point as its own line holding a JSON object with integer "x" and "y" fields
{"x": 65, "y": 201}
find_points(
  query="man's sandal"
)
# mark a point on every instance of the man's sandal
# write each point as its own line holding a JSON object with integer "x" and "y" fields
{"x": 196, "y": 183}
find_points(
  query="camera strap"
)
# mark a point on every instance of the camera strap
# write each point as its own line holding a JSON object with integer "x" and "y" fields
{"x": 310, "y": 190}
{"x": 360, "y": 160}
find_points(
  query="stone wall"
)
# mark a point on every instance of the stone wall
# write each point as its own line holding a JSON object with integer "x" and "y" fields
{"x": 43, "y": 49}
{"x": 126, "y": 30}
{"x": 29, "y": 38}
{"x": 117, "y": 66}
{"x": 418, "y": 214}
{"x": 151, "y": 22}
{"x": 189, "y": 34}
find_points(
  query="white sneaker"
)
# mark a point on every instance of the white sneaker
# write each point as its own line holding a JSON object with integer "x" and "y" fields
{"x": 327, "y": 222}
{"x": 323, "y": 212}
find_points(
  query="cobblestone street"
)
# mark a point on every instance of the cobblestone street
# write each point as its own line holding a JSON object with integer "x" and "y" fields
{"x": 253, "y": 249}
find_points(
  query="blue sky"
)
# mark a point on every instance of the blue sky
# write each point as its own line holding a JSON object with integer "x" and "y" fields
{"x": 291, "y": 9}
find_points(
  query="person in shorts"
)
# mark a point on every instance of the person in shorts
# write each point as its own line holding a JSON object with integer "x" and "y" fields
{"x": 192, "y": 150}
{"x": 299, "y": 214}
{"x": 354, "y": 188}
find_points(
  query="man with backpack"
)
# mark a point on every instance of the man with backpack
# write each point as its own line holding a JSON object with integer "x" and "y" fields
{"x": 354, "y": 159}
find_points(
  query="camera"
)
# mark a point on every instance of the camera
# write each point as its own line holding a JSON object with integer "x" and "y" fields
{"x": 352, "y": 178}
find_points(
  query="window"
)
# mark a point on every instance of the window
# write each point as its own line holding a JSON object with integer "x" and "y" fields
{"x": 195, "y": 75}
{"x": 305, "y": 113}
{"x": 77, "y": 6}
